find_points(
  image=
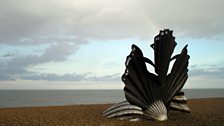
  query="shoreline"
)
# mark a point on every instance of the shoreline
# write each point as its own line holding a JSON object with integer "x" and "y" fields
{"x": 204, "y": 111}
{"x": 3, "y": 107}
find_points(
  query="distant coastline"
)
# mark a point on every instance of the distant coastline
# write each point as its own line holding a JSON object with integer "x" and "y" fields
{"x": 26, "y": 98}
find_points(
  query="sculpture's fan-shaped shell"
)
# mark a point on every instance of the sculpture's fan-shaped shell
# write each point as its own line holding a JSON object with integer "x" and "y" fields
{"x": 124, "y": 111}
{"x": 179, "y": 103}
{"x": 157, "y": 111}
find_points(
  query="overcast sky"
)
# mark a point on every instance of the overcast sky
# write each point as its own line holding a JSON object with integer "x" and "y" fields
{"x": 83, "y": 44}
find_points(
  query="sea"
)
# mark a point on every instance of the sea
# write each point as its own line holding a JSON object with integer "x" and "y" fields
{"x": 28, "y": 98}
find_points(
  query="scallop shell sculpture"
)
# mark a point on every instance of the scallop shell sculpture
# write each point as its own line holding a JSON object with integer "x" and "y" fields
{"x": 149, "y": 95}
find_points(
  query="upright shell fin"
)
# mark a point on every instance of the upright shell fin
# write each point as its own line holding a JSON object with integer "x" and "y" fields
{"x": 163, "y": 46}
{"x": 178, "y": 76}
{"x": 141, "y": 87}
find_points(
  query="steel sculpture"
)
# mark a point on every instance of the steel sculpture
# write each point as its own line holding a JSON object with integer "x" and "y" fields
{"x": 149, "y": 95}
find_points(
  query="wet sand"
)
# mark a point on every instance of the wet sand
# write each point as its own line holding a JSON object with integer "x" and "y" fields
{"x": 204, "y": 112}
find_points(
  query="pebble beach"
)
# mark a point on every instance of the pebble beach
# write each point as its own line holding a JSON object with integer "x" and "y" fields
{"x": 204, "y": 112}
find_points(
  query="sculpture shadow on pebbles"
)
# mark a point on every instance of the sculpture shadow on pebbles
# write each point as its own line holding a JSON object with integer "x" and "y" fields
{"x": 148, "y": 95}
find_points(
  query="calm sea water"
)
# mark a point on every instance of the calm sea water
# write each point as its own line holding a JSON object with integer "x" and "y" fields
{"x": 21, "y": 98}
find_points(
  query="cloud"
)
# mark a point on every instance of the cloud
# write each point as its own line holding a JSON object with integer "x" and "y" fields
{"x": 29, "y": 21}
{"x": 7, "y": 55}
{"x": 22, "y": 23}
{"x": 211, "y": 72}
{"x": 71, "y": 77}
{"x": 54, "y": 77}
{"x": 68, "y": 24}
{"x": 56, "y": 52}
{"x": 189, "y": 18}
{"x": 17, "y": 65}
{"x": 112, "y": 77}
